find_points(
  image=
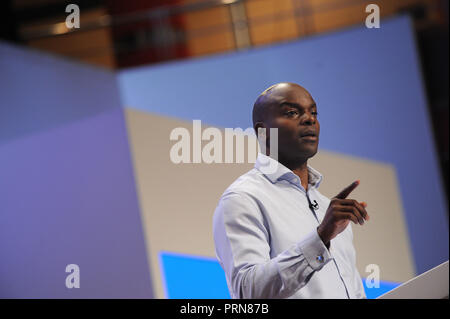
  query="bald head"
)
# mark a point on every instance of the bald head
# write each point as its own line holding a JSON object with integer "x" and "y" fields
{"x": 273, "y": 96}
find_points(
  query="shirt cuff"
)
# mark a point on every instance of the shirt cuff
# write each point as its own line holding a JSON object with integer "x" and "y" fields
{"x": 315, "y": 251}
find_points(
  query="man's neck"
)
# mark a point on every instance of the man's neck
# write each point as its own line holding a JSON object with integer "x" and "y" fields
{"x": 300, "y": 168}
{"x": 302, "y": 172}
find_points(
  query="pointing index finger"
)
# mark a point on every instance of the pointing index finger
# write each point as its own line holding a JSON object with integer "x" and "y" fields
{"x": 343, "y": 194}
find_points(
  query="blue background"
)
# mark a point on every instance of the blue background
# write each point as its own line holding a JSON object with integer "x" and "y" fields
{"x": 371, "y": 101}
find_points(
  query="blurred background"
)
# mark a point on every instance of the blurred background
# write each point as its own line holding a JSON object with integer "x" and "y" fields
{"x": 85, "y": 116}
{"x": 117, "y": 34}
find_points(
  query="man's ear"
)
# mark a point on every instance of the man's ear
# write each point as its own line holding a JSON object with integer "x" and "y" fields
{"x": 261, "y": 133}
{"x": 258, "y": 125}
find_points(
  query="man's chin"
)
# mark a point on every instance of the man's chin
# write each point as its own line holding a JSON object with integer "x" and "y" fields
{"x": 308, "y": 152}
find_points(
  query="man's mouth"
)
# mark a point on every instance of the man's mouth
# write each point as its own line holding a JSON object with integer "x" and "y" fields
{"x": 309, "y": 136}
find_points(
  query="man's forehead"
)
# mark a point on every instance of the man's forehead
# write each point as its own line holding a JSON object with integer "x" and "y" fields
{"x": 288, "y": 93}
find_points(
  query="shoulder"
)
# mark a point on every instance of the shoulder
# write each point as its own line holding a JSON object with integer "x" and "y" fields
{"x": 244, "y": 193}
{"x": 247, "y": 185}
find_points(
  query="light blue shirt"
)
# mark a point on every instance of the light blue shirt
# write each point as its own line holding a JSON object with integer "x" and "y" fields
{"x": 266, "y": 239}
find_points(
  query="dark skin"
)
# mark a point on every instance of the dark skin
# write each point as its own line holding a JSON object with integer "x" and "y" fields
{"x": 290, "y": 108}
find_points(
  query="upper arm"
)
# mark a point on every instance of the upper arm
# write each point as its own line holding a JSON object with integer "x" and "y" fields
{"x": 239, "y": 219}
{"x": 241, "y": 236}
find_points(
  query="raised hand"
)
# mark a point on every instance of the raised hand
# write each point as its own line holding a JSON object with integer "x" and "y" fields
{"x": 340, "y": 212}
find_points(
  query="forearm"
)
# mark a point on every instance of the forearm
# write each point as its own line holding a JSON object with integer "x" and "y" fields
{"x": 282, "y": 276}
{"x": 242, "y": 243}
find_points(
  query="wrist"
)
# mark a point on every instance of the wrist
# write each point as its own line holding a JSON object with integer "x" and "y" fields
{"x": 325, "y": 239}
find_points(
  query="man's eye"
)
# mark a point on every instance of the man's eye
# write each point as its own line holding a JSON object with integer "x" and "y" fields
{"x": 291, "y": 113}
{"x": 314, "y": 113}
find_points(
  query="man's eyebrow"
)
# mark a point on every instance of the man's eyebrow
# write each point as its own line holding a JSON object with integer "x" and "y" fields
{"x": 296, "y": 105}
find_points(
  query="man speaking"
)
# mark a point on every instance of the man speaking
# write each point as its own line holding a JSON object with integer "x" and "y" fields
{"x": 275, "y": 235}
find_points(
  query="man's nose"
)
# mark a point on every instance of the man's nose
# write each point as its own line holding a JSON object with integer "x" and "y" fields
{"x": 308, "y": 119}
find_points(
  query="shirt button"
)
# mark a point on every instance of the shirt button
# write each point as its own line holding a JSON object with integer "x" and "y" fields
{"x": 320, "y": 258}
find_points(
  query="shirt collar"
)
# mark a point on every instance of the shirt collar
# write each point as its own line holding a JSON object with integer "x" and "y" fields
{"x": 284, "y": 173}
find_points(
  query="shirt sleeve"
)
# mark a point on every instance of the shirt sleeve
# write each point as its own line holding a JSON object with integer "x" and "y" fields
{"x": 242, "y": 241}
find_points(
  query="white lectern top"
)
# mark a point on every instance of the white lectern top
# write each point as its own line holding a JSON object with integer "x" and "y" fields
{"x": 432, "y": 284}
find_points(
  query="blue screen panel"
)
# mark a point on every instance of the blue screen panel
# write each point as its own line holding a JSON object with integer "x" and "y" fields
{"x": 195, "y": 277}
{"x": 192, "y": 277}
{"x": 385, "y": 286}
{"x": 359, "y": 84}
